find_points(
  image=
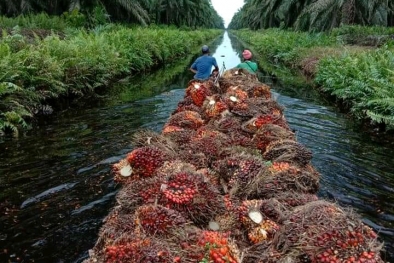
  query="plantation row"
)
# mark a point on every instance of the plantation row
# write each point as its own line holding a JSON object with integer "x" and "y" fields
{"x": 355, "y": 64}
{"x": 226, "y": 182}
{"x": 34, "y": 71}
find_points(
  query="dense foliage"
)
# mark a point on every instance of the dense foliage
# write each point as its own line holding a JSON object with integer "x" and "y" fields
{"x": 313, "y": 15}
{"x": 190, "y": 13}
{"x": 361, "y": 77}
{"x": 81, "y": 62}
{"x": 365, "y": 80}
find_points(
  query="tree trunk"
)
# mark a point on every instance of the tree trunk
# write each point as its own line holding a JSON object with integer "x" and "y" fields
{"x": 348, "y": 12}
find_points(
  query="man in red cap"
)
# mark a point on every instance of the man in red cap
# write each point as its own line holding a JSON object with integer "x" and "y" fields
{"x": 247, "y": 64}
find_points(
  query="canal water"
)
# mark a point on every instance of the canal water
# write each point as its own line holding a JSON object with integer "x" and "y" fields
{"x": 55, "y": 182}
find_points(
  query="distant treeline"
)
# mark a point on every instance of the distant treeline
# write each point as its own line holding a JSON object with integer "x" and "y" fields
{"x": 188, "y": 13}
{"x": 313, "y": 15}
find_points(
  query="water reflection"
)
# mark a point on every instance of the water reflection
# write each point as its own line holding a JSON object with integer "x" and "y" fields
{"x": 226, "y": 55}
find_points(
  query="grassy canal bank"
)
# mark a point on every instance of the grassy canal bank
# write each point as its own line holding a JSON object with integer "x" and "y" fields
{"x": 354, "y": 64}
{"x": 39, "y": 66}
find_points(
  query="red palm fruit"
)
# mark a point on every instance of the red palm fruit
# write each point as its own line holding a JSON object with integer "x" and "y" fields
{"x": 156, "y": 219}
{"x": 260, "y": 90}
{"x": 198, "y": 92}
{"x": 171, "y": 128}
{"x": 126, "y": 251}
{"x": 186, "y": 119}
{"x": 264, "y": 231}
{"x": 192, "y": 194}
{"x": 145, "y": 161}
{"x": 279, "y": 167}
{"x": 213, "y": 107}
{"x": 218, "y": 247}
{"x": 137, "y": 250}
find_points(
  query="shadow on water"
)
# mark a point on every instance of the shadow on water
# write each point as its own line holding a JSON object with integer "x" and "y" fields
{"x": 56, "y": 186}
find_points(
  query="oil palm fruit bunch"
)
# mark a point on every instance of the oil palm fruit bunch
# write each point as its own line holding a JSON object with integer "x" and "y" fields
{"x": 186, "y": 119}
{"x": 213, "y": 107}
{"x": 249, "y": 213}
{"x": 288, "y": 151}
{"x": 145, "y": 161}
{"x": 191, "y": 194}
{"x": 265, "y": 231}
{"x": 180, "y": 136}
{"x": 323, "y": 232}
{"x": 269, "y": 133}
{"x": 240, "y": 169}
{"x": 140, "y": 192}
{"x": 198, "y": 91}
{"x": 259, "y": 90}
{"x": 157, "y": 220}
{"x": 270, "y": 183}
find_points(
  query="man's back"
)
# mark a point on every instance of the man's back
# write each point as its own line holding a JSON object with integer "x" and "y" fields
{"x": 203, "y": 65}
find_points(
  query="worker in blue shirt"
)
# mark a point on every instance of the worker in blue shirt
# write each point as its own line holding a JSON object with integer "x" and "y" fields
{"x": 203, "y": 65}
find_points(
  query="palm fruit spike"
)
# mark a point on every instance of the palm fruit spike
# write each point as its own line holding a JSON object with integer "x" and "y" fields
{"x": 239, "y": 168}
{"x": 213, "y": 107}
{"x": 210, "y": 145}
{"x": 145, "y": 161}
{"x": 186, "y": 119}
{"x": 253, "y": 125}
{"x": 269, "y": 133}
{"x": 198, "y": 92}
{"x": 180, "y": 136}
{"x": 156, "y": 219}
{"x": 143, "y": 191}
{"x": 264, "y": 231}
{"x": 218, "y": 248}
{"x": 288, "y": 151}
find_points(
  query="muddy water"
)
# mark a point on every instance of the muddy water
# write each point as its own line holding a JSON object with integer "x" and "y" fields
{"x": 55, "y": 186}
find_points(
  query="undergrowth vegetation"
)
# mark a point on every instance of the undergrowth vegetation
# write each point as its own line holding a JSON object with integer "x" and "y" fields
{"x": 79, "y": 63}
{"x": 361, "y": 75}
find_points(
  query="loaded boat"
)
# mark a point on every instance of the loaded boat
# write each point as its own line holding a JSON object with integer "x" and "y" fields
{"x": 227, "y": 181}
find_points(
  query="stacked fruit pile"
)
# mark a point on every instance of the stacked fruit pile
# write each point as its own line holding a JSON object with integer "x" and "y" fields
{"x": 226, "y": 181}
